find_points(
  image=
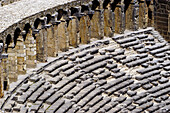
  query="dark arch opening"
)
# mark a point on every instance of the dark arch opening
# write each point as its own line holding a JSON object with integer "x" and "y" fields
{"x": 95, "y": 4}
{"x": 74, "y": 11}
{"x": 48, "y": 18}
{"x": 148, "y": 2}
{"x": 1, "y": 41}
{"x": 60, "y": 14}
{"x": 114, "y": 4}
{"x": 150, "y": 13}
{"x": 26, "y": 28}
{"x": 84, "y": 8}
{"x": 106, "y": 2}
{"x": 127, "y": 3}
{"x": 5, "y": 85}
{"x": 16, "y": 34}
{"x": 8, "y": 41}
{"x": 36, "y": 23}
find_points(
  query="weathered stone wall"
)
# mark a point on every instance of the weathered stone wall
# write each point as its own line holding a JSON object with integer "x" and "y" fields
{"x": 162, "y": 12}
{"x": 41, "y": 34}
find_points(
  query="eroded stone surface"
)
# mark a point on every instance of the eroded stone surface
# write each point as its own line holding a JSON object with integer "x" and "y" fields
{"x": 121, "y": 79}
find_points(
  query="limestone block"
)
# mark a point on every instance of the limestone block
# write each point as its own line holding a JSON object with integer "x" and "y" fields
{"x": 84, "y": 29}
{"x": 118, "y": 19}
{"x": 41, "y": 45}
{"x": 73, "y": 29}
{"x": 63, "y": 41}
{"x": 12, "y": 62}
{"x": 108, "y": 23}
{"x": 97, "y": 24}
{"x": 21, "y": 69}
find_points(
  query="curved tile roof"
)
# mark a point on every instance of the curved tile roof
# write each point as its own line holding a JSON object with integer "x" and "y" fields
{"x": 125, "y": 73}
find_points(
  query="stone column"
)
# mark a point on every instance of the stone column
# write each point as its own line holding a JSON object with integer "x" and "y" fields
{"x": 21, "y": 54}
{"x": 135, "y": 15}
{"x": 142, "y": 14}
{"x": 50, "y": 40}
{"x": 12, "y": 63}
{"x": 97, "y": 27}
{"x": 119, "y": 18}
{"x": 84, "y": 29}
{"x": 2, "y": 56}
{"x": 151, "y": 14}
{"x": 108, "y": 22}
{"x": 55, "y": 38}
{"x": 5, "y": 74}
{"x": 30, "y": 44}
{"x": 73, "y": 29}
{"x": 129, "y": 14}
{"x": 1, "y": 70}
{"x": 63, "y": 40}
{"x": 1, "y": 80}
{"x": 41, "y": 42}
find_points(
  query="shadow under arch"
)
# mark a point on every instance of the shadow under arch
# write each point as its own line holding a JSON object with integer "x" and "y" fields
{"x": 114, "y": 4}
{"x": 105, "y": 3}
{"x": 37, "y": 23}
{"x": 16, "y": 35}
{"x": 27, "y": 27}
{"x": 48, "y": 18}
{"x": 8, "y": 41}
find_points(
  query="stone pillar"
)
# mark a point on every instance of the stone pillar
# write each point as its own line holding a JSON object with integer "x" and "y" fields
{"x": 2, "y": 56}
{"x": 151, "y": 14}
{"x": 5, "y": 74}
{"x": 119, "y": 18}
{"x": 84, "y": 29}
{"x": 21, "y": 55}
{"x": 1, "y": 81}
{"x": 63, "y": 40}
{"x": 135, "y": 15}
{"x": 142, "y": 14}
{"x": 50, "y": 41}
{"x": 73, "y": 29}
{"x": 30, "y": 44}
{"x": 129, "y": 14}
{"x": 97, "y": 27}
{"x": 55, "y": 38}
{"x": 108, "y": 22}
{"x": 1, "y": 70}
{"x": 12, "y": 63}
{"x": 41, "y": 42}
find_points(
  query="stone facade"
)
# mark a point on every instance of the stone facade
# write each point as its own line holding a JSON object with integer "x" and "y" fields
{"x": 71, "y": 24}
{"x": 162, "y": 12}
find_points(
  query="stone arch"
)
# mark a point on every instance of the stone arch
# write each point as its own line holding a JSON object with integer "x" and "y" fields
{"x": 37, "y": 24}
{"x": 30, "y": 44}
{"x": 85, "y": 8}
{"x": 114, "y": 4}
{"x": 105, "y": 3}
{"x": 63, "y": 40}
{"x": 95, "y": 4}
